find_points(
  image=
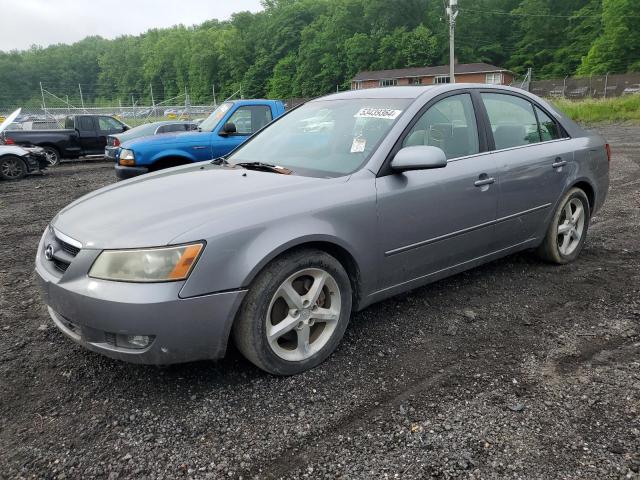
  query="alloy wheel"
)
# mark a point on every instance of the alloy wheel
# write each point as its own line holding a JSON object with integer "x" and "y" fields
{"x": 571, "y": 226}
{"x": 11, "y": 168}
{"x": 303, "y": 314}
{"x": 52, "y": 157}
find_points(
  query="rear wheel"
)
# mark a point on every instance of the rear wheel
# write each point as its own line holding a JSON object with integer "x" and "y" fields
{"x": 295, "y": 313}
{"x": 568, "y": 229}
{"x": 53, "y": 156}
{"x": 12, "y": 168}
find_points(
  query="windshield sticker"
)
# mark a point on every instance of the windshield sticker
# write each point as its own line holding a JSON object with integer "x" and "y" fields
{"x": 358, "y": 145}
{"x": 386, "y": 113}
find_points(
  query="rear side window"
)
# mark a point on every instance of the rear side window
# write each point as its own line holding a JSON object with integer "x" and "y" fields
{"x": 450, "y": 125}
{"x": 512, "y": 120}
{"x": 548, "y": 128}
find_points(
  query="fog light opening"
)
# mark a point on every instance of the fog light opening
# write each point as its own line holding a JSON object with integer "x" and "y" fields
{"x": 134, "y": 341}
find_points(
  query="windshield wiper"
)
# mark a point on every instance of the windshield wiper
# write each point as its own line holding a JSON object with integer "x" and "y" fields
{"x": 266, "y": 167}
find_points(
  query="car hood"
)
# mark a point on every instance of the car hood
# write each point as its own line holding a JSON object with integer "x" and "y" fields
{"x": 159, "y": 141}
{"x": 154, "y": 209}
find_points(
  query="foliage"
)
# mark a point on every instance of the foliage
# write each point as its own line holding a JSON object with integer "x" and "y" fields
{"x": 626, "y": 108}
{"x": 312, "y": 47}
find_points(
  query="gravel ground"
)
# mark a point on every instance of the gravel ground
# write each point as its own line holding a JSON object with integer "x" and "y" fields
{"x": 517, "y": 369}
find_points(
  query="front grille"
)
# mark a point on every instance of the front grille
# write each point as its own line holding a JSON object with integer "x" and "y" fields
{"x": 70, "y": 249}
{"x": 59, "y": 252}
{"x": 60, "y": 265}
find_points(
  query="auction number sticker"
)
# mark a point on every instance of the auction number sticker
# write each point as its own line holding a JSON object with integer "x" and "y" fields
{"x": 386, "y": 113}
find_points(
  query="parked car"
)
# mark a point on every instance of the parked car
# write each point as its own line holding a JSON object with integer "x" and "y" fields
{"x": 16, "y": 162}
{"x": 82, "y": 135}
{"x": 148, "y": 129}
{"x": 296, "y": 229}
{"x": 227, "y": 127}
{"x": 631, "y": 89}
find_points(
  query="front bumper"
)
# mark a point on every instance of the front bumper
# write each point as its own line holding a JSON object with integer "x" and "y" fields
{"x": 129, "y": 172}
{"x": 94, "y": 313}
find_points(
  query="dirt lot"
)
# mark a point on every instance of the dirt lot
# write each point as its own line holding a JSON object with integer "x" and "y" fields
{"x": 517, "y": 369}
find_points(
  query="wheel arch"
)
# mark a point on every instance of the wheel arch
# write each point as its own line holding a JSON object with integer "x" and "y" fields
{"x": 589, "y": 190}
{"x": 329, "y": 245}
{"x": 170, "y": 160}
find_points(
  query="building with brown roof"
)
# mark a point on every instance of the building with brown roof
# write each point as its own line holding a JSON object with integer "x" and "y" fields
{"x": 465, "y": 73}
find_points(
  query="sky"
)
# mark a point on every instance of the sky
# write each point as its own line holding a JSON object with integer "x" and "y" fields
{"x": 44, "y": 22}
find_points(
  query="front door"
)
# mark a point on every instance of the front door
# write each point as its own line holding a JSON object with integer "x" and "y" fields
{"x": 533, "y": 162}
{"x": 106, "y": 126}
{"x": 431, "y": 220}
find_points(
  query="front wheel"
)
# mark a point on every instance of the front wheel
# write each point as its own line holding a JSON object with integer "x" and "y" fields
{"x": 53, "y": 156}
{"x": 295, "y": 313}
{"x": 12, "y": 168}
{"x": 568, "y": 229}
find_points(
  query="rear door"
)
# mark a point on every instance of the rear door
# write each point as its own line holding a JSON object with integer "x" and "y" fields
{"x": 431, "y": 220}
{"x": 533, "y": 159}
{"x": 88, "y": 136}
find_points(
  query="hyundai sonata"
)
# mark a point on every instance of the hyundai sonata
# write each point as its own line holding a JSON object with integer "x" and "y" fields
{"x": 277, "y": 244}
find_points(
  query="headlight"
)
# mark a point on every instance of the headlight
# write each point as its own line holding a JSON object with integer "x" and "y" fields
{"x": 127, "y": 157}
{"x": 165, "y": 264}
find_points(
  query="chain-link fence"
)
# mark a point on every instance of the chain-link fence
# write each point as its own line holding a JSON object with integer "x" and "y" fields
{"x": 596, "y": 86}
{"x": 53, "y": 117}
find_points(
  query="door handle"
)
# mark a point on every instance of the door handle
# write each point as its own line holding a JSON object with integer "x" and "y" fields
{"x": 484, "y": 181}
{"x": 559, "y": 163}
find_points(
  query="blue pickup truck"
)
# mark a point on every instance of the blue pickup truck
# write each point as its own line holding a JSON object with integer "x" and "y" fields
{"x": 227, "y": 127}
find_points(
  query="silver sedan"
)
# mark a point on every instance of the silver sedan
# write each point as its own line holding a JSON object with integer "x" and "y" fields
{"x": 275, "y": 245}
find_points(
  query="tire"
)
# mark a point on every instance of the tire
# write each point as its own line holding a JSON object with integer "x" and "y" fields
{"x": 280, "y": 302}
{"x": 53, "y": 156}
{"x": 12, "y": 168}
{"x": 564, "y": 239}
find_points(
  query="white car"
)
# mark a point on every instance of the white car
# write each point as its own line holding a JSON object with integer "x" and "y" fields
{"x": 15, "y": 161}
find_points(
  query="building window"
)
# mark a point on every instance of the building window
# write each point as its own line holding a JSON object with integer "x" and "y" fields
{"x": 416, "y": 81}
{"x": 442, "y": 79}
{"x": 494, "y": 78}
{"x": 389, "y": 82}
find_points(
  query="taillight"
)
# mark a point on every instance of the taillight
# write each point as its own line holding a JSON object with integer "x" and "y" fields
{"x": 607, "y": 147}
{"x": 9, "y": 141}
{"x": 116, "y": 142}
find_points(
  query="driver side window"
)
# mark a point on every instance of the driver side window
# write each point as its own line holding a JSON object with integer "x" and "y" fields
{"x": 450, "y": 125}
{"x": 250, "y": 119}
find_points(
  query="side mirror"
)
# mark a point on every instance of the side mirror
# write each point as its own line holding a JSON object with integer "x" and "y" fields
{"x": 125, "y": 128}
{"x": 228, "y": 129}
{"x": 419, "y": 157}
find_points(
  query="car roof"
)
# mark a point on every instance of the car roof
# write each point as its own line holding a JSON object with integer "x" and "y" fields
{"x": 413, "y": 92}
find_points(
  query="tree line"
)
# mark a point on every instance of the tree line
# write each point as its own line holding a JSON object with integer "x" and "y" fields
{"x": 305, "y": 48}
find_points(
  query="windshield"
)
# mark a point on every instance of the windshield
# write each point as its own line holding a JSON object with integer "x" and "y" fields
{"x": 326, "y": 138}
{"x": 212, "y": 120}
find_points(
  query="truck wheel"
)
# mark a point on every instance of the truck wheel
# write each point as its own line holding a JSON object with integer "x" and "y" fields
{"x": 295, "y": 313}
{"x": 12, "y": 168}
{"x": 53, "y": 156}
